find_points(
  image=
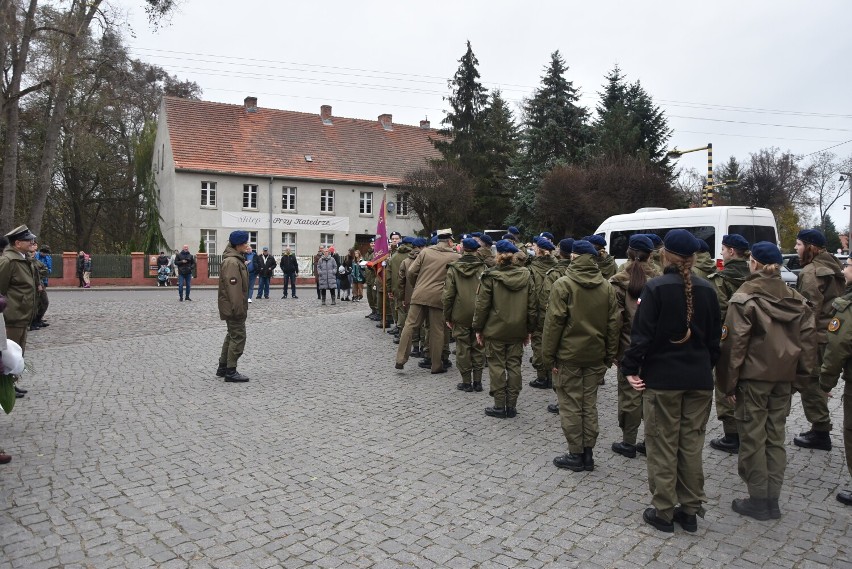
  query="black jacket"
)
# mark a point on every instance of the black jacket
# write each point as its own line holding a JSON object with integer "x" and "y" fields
{"x": 264, "y": 265}
{"x": 162, "y": 260}
{"x": 661, "y": 318}
{"x": 289, "y": 264}
{"x": 184, "y": 262}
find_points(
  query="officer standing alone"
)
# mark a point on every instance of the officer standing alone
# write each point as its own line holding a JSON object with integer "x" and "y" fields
{"x": 233, "y": 305}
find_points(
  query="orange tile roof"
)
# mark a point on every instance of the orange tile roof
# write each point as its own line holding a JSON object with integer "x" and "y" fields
{"x": 226, "y": 138}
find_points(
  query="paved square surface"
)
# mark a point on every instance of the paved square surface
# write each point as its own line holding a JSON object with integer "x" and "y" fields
{"x": 129, "y": 452}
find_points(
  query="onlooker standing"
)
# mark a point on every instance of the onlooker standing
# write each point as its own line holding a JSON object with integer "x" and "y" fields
{"x": 336, "y": 257}
{"x": 674, "y": 346}
{"x": 326, "y": 271}
{"x": 265, "y": 266}
{"x": 290, "y": 267}
{"x": 45, "y": 267}
{"x": 233, "y": 305}
{"x": 343, "y": 273}
{"x": 184, "y": 262}
{"x": 358, "y": 277}
{"x": 317, "y": 258}
{"x": 79, "y": 266}
{"x": 252, "y": 270}
{"x": 87, "y": 271}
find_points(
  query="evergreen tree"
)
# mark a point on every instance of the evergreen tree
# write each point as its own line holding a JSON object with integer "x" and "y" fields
{"x": 555, "y": 132}
{"x": 729, "y": 173}
{"x": 832, "y": 237}
{"x": 500, "y": 146}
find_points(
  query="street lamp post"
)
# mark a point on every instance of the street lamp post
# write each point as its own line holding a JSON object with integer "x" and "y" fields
{"x": 707, "y": 194}
{"x": 843, "y": 177}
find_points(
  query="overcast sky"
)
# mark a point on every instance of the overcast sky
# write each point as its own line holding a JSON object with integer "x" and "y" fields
{"x": 724, "y": 72}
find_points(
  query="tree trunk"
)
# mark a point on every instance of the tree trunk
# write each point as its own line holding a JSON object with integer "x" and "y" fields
{"x": 44, "y": 179}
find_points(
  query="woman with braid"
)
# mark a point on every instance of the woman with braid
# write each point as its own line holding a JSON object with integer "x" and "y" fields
{"x": 674, "y": 344}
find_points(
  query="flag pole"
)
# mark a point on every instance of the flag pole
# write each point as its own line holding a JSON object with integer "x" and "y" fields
{"x": 384, "y": 272}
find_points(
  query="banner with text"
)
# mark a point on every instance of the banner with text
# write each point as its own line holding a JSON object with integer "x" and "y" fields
{"x": 244, "y": 220}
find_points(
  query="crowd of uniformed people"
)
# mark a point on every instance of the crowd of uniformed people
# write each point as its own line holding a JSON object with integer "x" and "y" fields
{"x": 677, "y": 329}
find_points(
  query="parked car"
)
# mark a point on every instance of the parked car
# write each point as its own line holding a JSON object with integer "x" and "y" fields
{"x": 789, "y": 277}
{"x": 791, "y": 262}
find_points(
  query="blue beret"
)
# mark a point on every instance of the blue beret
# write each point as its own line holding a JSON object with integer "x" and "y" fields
{"x": 812, "y": 236}
{"x": 513, "y": 230}
{"x": 434, "y": 240}
{"x": 470, "y": 243}
{"x": 655, "y": 239}
{"x": 547, "y": 235}
{"x": 419, "y": 242}
{"x": 641, "y": 242}
{"x": 766, "y": 253}
{"x": 238, "y": 237}
{"x": 583, "y": 247}
{"x": 703, "y": 247}
{"x": 735, "y": 241}
{"x": 596, "y": 240}
{"x": 476, "y": 234}
{"x": 509, "y": 237}
{"x": 565, "y": 246}
{"x": 545, "y": 244}
{"x": 506, "y": 246}
{"x": 407, "y": 240}
{"x": 681, "y": 242}
{"x": 486, "y": 239}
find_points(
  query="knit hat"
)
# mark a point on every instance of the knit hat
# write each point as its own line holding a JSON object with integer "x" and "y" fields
{"x": 470, "y": 244}
{"x": 238, "y": 237}
{"x": 565, "y": 246}
{"x": 506, "y": 246}
{"x": 766, "y": 253}
{"x": 681, "y": 242}
{"x": 812, "y": 236}
{"x": 735, "y": 241}
{"x": 641, "y": 242}
{"x": 583, "y": 247}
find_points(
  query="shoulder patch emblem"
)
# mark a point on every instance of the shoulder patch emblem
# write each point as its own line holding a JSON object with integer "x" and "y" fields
{"x": 834, "y": 325}
{"x": 233, "y": 280}
{"x": 724, "y": 333}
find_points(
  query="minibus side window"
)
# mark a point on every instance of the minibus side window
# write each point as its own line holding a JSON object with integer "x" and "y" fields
{"x": 754, "y": 233}
{"x": 618, "y": 241}
{"x": 707, "y": 233}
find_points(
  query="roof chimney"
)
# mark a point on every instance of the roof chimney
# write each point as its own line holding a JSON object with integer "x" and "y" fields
{"x": 325, "y": 114}
{"x": 425, "y": 124}
{"x": 250, "y": 104}
{"x": 386, "y": 121}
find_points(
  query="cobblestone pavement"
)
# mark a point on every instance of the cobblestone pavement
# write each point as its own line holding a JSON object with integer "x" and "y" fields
{"x": 129, "y": 452}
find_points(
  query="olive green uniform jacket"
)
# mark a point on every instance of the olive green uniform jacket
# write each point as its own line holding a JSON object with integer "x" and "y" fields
{"x": 606, "y": 264}
{"x": 558, "y": 271}
{"x": 459, "y": 296}
{"x": 395, "y": 262}
{"x": 838, "y": 352}
{"x": 233, "y": 285}
{"x": 539, "y": 266}
{"x": 582, "y": 322}
{"x": 728, "y": 280}
{"x": 821, "y": 281}
{"x": 18, "y": 280}
{"x": 627, "y": 305}
{"x": 427, "y": 274}
{"x": 405, "y": 287}
{"x": 704, "y": 265}
{"x": 505, "y": 304}
{"x": 487, "y": 255}
{"x": 768, "y": 334}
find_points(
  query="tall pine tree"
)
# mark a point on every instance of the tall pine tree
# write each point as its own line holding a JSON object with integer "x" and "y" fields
{"x": 500, "y": 146}
{"x": 555, "y": 131}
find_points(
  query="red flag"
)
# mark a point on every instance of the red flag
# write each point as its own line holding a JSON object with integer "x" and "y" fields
{"x": 380, "y": 246}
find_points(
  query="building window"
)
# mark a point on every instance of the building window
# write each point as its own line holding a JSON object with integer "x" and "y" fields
{"x": 253, "y": 240}
{"x": 326, "y": 239}
{"x": 402, "y": 204}
{"x": 208, "y": 194}
{"x": 249, "y": 196}
{"x": 327, "y": 201}
{"x": 366, "y": 203}
{"x": 288, "y": 199}
{"x": 208, "y": 237}
{"x": 288, "y": 241}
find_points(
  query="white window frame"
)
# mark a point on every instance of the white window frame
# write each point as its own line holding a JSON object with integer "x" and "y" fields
{"x": 249, "y": 191}
{"x": 208, "y": 194}
{"x": 208, "y": 236}
{"x": 327, "y": 239}
{"x": 402, "y": 206}
{"x": 253, "y": 240}
{"x": 326, "y": 201}
{"x": 288, "y": 194}
{"x": 288, "y": 242}
{"x": 365, "y": 204}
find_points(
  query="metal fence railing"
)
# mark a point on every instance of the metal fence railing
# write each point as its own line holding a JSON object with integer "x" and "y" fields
{"x": 213, "y": 264}
{"x": 112, "y": 266}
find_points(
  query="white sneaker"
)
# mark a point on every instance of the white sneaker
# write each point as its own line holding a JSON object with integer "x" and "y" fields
{"x": 249, "y": 300}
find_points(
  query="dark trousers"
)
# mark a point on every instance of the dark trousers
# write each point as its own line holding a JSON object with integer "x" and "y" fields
{"x": 252, "y": 279}
{"x": 43, "y": 303}
{"x": 291, "y": 278}
{"x": 181, "y": 280}
{"x": 263, "y": 287}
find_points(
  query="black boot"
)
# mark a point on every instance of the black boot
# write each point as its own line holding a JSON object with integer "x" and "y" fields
{"x": 729, "y": 443}
{"x": 651, "y": 518}
{"x": 640, "y": 448}
{"x": 466, "y": 387}
{"x": 540, "y": 382}
{"x": 819, "y": 440}
{"x": 233, "y": 376}
{"x": 689, "y": 522}
{"x": 588, "y": 461}
{"x": 624, "y": 449}
{"x": 570, "y": 461}
{"x": 845, "y": 498}
{"x": 774, "y": 508}
{"x": 553, "y": 408}
{"x": 499, "y": 412}
{"x": 757, "y": 508}
{"x": 221, "y": 370}
{"x": 477, "y": 380}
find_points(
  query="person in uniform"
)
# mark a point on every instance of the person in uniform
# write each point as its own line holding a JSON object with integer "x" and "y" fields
{"x": 18, "y": 283}
{"x": 768, "y": 338}
{"x": 727, "y": 281}
{"x": 484, "y": 250}
{"x": 370, "y": 282}
{"x": 427, "y": 274}
{"x": 704, "y": 264}
{"x": 820, "y": 281}
{"x": 674, "y": 344}
{"x": 233, "y": 305}
{"x": 628, "y": 284}
{"x": 657, "y": 256}
{"x": 401, "y": 253}
{"x": 559, "y": 270}
{"x": 405, "y": 290}
{"x": 579, "y": 344}
{"x": 605, "y": 261}
{"x": 459, "y": 299}
{"x": 542, "y": 262}
{"x": 837, "y": 359}
{"x": 503, "y": 320}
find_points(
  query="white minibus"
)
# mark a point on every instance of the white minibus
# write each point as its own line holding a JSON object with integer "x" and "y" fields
{"x": 707, "y": 223}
